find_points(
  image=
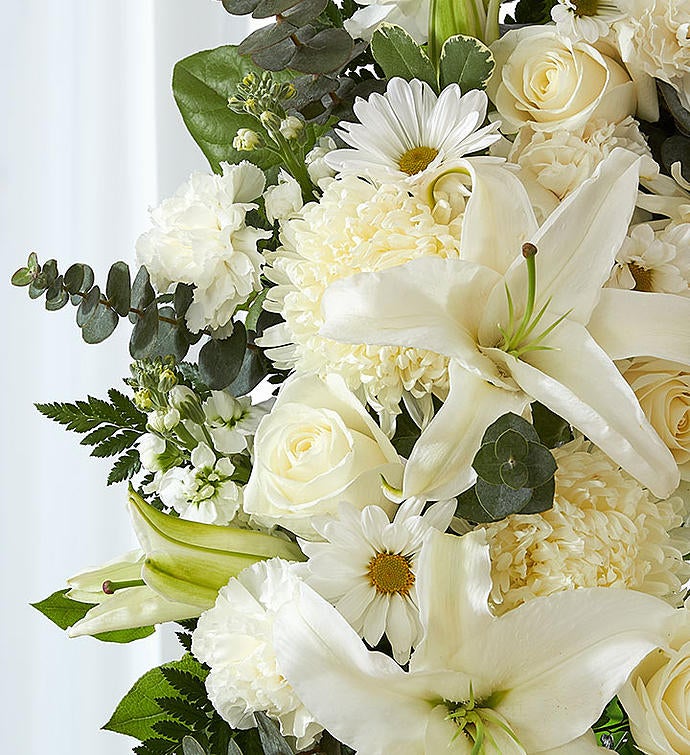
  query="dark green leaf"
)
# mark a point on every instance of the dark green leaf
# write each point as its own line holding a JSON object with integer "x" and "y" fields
{"x": 326, "y": 51}
{"x": 156, "y": 746}
{"x": 465, "y": 61}
{"x": 406, "y": 434}
{"x": 173, "y": 338}
{"x": 100, "y": 325}
{"x": 123, "y": 636}
{"x": 266, "y": 37}
{"x": 553, "y": 430}
{"x": 98, "y": 435}
{"x": 541, "y": 465}
{"x": 202, "y": 84}
{"x": 233, "y": 749}
{"x": 184, "y": 294}
{"x": 168, "y": 727}
{"x": 677, "y": 150}
{"x": 32, "y": 263}
{"x": 38, "y": 286}
{"x": 681, "y": 116}
{"x": 86, "y": 283}
{"x": 240, "y": 7}
{"x": 275, "y": 59}
{"x": 220, "y": 360}
{"x": 88, "y": 306}
{"x": 510, "y": 444}
{"x": 62, "y": 610}
{"x": 142, "y": 295}
{"x": 305, "y": 11}
{"x": 50, "y": 270}
{"x": 118, "y": 288}
{"x": 487, "y": 465}
{"x": 22, "y": 277}
{"x": 510, "y": 421}
{"x": 180, "y": 709}
{"x": 129, "y": 414}
{"x": 268, "y": 8}
{"x": 116, "y": 444}
{"x": 255, "y": 310}
{"x": 399, "y": 55}
{"x": 125, "y": 467}
{"x": 186, "y": 684}
{"x": 144, "y": 333}
{"x": 500, "y": 500}
{"x": 255, "y": 367}
{"x": 74, "y": 277}
{"x": 56, "y": 296}
{"x": 138, "y": 712}
{"x": 272, "y": 740}
{"x": 541, "y": 498}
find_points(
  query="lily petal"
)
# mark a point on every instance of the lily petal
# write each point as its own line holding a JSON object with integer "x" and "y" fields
{"x": 578, "y": 381}
{"x": 440, "y": 465}
{"x": 343, "y": 684}
{"x": 635, "y": 324}
{"x": 426, "y": 304}
{"x": 584, "y": 745}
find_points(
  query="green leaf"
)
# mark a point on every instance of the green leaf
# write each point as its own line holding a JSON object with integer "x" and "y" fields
{"x": 100, "y": 325}
{"x": 116, "y": 444}
{"x": 255, "y": 367}
{"x": 142, "y": 295}
{"x": 399, "y": 55}
{"x": 553, "y": 430}
{"x": 192, "y": 747}
{"x": 173, "y": 336}
{"x": 118, "y": 288}
{"x": 184, "y": 294}
{"x": 267, "y": 8}
{"x": 406, "y": 434}
{"x": 510, "y": 444}
{"x": 123, "y": 636}
{"x": 272, "y": 740}
{"x": 202, "y": 84}
{"x": 56, "y": 296}
{"x": 327, "y": 51}
{"x": 179, "y": 708}
{"x": 125, "y": 467}
{"x": 541, "y": 499}
{"x": 510, "y": 421}
{"x": 220, "y": 360}
{"x": 22, "y": 277}
{"x": 186, "y": 684}
{"x": 32, "y": 263}
{"x": 138, "y": 712}
{"x": 501, "y": 500}
{"x": 88, "y": 306}
{"x": 144, "y": 333}
{"x": 255, "y": 310}
{"x": 233, "y": 749}
{"x": 465, "y": 61}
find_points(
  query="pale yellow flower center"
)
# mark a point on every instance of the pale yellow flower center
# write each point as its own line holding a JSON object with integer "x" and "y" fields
{"x": 417, "y": 159}
{"x": 390, "y": 573}
{"x": 644, "y": 279}
{"x": 586, "y": 7}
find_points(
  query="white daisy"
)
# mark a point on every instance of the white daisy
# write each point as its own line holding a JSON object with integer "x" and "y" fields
{"x": 587, "y": 20}
{"x": 367, "y": 567}
{"x": 408, "y": 133}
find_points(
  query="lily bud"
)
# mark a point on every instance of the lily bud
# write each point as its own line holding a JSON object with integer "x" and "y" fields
{"x": 189, "y": 562}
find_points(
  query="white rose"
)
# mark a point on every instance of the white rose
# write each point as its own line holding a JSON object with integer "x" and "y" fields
{"x": 317, "y": 447}
{"x": 656, "y": 697}
{"x": 663, "y": 390}
{"x": 283, "y": 199}
{"x": 546, "y": 80}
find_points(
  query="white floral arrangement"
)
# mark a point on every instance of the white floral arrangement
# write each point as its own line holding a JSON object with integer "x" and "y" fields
{"x": 422, "y": 485}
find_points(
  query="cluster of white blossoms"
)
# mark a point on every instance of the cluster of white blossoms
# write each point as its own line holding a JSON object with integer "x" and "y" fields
{"x": 200, "y": 237}
{"x": 604, "y": 530}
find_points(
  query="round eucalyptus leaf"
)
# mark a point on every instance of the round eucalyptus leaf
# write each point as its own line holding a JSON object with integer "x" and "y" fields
{"x": 50, "y": 270}
{"x": 541, "y": 499}
{"x": 514, "y": 474}
{"x": 510, "y": 421}
{"x": 38, "y": 286}
{"x": 118, "y": 288}
{"x": 305, "y": 11}
{"x": 487, "y": 465}
{"x": 220, "y": 361}
{"x": 87, "y": 281}
{"x": 32, "y": 263}
{"x": 56, "y": 296}
{"x": 275, "y": 58}
{"x": 240, "y": 7}
{"x": 511, "y": 444}
{"x": 184, "y": 294}
{"x": 268, "y": 8}
{"x": 142, "y": 295}
{"x": 267, "y": 36}
{"x": 540, "y": 464}
{"x": 471, "y": 509}
{"x": 74, "y": 277}
{"x": 310, "y": 89}
{"x": 553, "y": 430}
{"x": 676, "y": 149}
{"x": 100, "y": 325}
{"x": 500, "y": 500}
{"x": 88, "y": 306}
{"x": 255, "y": 367}
{"x": 326, "y": 51}
{"x": 144, "y": 333}
{"x": 171, "y": 338}
{"x": 22, "y": 277}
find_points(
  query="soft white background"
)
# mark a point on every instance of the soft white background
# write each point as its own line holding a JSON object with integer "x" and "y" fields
{"x": 89, "y": 138}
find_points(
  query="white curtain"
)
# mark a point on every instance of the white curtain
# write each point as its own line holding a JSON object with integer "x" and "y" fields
{"x": 89, "y": 138}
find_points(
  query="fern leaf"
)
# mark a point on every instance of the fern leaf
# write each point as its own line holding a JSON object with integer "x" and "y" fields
{"x": 125, "y": 467}
{"x": 188, "y": 685}
{"x": 183, "y": 711}
{"x": 128, "y": 412}
{"x": 171, "y": 729}
{"x": 116, "y": 444}
{"x": 98, "y": 435}
{"x": 156, "y": 747}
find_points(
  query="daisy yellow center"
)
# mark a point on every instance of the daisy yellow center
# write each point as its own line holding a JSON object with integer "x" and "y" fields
{"x": 586, "y": 7}
{"x": 390, "y": 573}
{"x": 417, "y": 159}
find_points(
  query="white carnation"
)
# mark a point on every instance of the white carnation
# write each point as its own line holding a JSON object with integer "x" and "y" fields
{"x": 654, "y": 38}
{"x": 604, "y": 530}
{"x": 235, "y": 638}
{"x": 200, "y": 237}
{"x": 355, "y": 227}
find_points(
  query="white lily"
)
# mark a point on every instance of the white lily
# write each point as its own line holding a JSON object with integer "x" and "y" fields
{"x": 532, "y": 681}
{"x": 516, "y": 329}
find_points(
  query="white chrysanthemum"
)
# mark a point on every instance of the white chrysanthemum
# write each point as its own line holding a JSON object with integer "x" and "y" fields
{"x": 203, "y": 492}
{"x": 604, "y": 530}
{"x": 200, "y": 237}
{"x": 232, "y": 421}
{"x": 411, "y": 15}
{"x": 409, "y": 133}
{"x": 559, "y": 161}
{"x": 235, "y": 638}
{"x": 655, "y": 260}
{"x": 654, "y": 37}
{"x": 367, "y": 567}
{"x": 354, "y": 227}
{"x": 586, "y": 20}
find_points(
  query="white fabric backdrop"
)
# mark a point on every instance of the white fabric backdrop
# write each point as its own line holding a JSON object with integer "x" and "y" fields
{"x": 89, "y": 138}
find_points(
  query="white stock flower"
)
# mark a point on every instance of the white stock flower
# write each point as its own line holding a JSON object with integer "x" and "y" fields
{"x": 531, "y": 681}
{"x": 546, "y": 80}
{"x": 317, "y": 447}
{"x": 655, "y": 260}
{"x": 235, "y": 638}
{"x": 367, "y": 568}
{"x": 410, "y": 134}
{"x": 283, "y": 199}
{"x": 200, "y": 237}
{"x": 585, "y": 19}
{"x": 315, "y": 160}
{"x": 604, "y": 530}
{"x": 203, "y": 492}
{"x": 151, "y": 447}
{"x": 654, "y": 38}
{"x": 163, "y": 420}
{"x": 411, "y": 15}
{"x": 232, "y": 421}
{"x": 663, "y": 390}
{"x": 656, "y": 697}
{"x": 291, "y": 127}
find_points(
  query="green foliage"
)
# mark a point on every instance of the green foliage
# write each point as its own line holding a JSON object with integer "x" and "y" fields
{"x": 66, "y": 612}
{"x": 532, "y": 12}
{"x": 111, "y": 427}
{"x": 515, "y": 473}
{"x": 399, "y": 55}
{"x": 613, "y": 730}
{"x": 465, "y": 61}
{"x": 272, "y": 740}
{"x": 220, "y": 361}
{"x": 406, "y": 433}
{"x": 553, "y": 431}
